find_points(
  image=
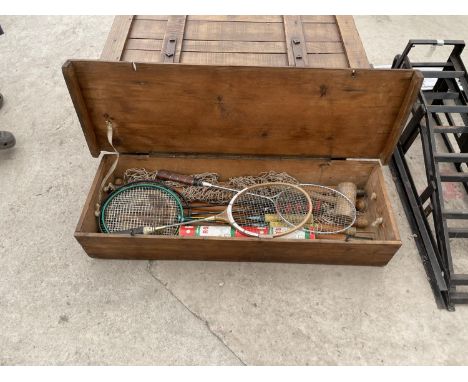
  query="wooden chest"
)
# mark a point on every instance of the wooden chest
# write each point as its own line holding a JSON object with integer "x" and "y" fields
{"x": 322, "y": 126}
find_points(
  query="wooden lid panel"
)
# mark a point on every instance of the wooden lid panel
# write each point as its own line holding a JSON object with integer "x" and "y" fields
{"x": 336, "y": 113}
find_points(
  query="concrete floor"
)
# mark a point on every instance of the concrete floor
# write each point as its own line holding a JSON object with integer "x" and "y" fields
{"x": 57, "y": 306}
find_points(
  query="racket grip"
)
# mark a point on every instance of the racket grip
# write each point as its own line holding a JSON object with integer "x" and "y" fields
{"x": 179, "y": 178}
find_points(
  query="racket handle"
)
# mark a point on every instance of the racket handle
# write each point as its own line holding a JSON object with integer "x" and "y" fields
{"x": 179, "y": 178}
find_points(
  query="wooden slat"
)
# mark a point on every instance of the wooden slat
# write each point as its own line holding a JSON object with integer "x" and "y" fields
{"x": 154, "y": 29}
{"x": 332, "y": 60}
{"x": 318, "y": 19}
{"x": 255, "y": 59}
{"x": 234, "y": 31}
{"x": 134, "y": 55}
{"x": 405, "y": 109}
{"x": 143, "y": 44}
{"x": 174, "y": 30}
{"x": 370, "y": 253}
{"x": 325, "y": 47}
{"x": 76, "y": 95}
{"x": 381, "y": 207}
{"x": 295, "y": 41}
{"x": 321, "y": 32}
{"x": 353, "y": 45}
{"x": 237, "y": 18}
{"x": 115, "y": 42}
{"x": 234, "y": 46}
{"x": 245, "y": 110}
{"x": 152, "y": 17}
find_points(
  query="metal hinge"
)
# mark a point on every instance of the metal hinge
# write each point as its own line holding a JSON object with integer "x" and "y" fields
{"x": 170, "y": 49}
{"x": 298, "y": 51}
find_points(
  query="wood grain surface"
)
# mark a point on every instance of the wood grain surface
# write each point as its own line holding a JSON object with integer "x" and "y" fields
{"x": 240, "y": 40}
{"x": 331, "y": 113}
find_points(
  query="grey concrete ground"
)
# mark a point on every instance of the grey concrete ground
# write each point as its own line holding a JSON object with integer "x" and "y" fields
{"x": 57, "y": 306}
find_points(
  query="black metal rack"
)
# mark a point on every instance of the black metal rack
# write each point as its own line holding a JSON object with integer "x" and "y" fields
{"x": 442, "y": 110}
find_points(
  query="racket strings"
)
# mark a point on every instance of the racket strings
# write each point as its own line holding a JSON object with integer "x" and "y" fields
{"x": 264, "y": 203}
{"x": 142, "y": 206}
{"x": 332, "y": 211}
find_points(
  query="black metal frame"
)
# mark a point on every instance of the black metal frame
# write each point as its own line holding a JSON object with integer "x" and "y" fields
{"x": 447, "y": 97}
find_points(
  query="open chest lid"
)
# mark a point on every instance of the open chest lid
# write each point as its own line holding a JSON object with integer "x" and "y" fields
{"x": 241, "y": 110}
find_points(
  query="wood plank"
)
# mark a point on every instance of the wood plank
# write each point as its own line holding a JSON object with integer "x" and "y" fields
{"x": 353, "y": 45}
{"x": 314, "y": 32}
{"x": 318, "y": 19}
{"x": 143, "y": 44}
{"x": 153, "y": 29}
{"x": 134, "y": 55}
{"x": 152, "y": 17}
{"x": 237, "y": 18}
{"x": 295, "y": 41}
{"x": 234, "y": 31}
{"x": 240, "y": 110}
{"x": 174, "y": 31}
{"x": 234, "y": 46}
{"x": 331, "y": 60}
{"x": 79, "y": 103}
{"x": 105, "y": 246}
{"x": 87, "y": 221}
{"x": 381, "y": 207}
{"x": 114, "y": 46}
{"x": 243, "y": 59}
{"x": 400, "y": 121}
{"x": 325, "y": 47}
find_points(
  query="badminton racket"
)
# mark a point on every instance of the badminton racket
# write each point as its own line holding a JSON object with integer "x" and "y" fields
{"x": 291, "y": 203}
{"x": 141, "y": 204}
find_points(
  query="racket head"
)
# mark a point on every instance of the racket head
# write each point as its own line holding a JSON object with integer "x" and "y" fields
{"x": 332, "y": 211}
{"x": 290, "y": 202}
{"x": 141, "y": 204}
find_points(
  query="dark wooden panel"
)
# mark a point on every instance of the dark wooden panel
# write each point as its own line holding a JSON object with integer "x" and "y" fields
{"x": 245, "y": 110}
